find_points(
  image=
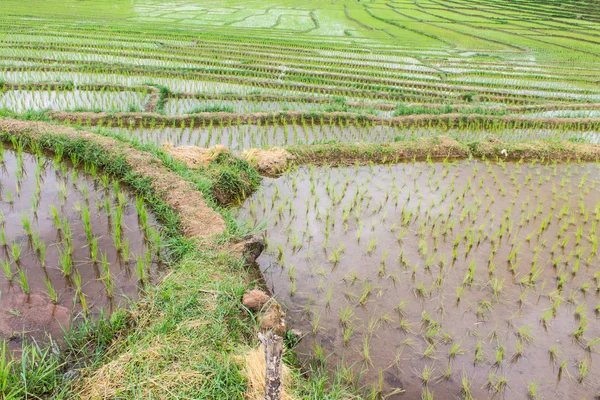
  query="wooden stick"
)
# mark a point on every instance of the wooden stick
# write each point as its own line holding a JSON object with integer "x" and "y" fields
{"x": 273, "y": 353}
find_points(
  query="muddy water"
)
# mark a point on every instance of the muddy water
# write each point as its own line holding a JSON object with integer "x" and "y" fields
{"x": 70, "y": 190}
{"x": 406, "y": 236}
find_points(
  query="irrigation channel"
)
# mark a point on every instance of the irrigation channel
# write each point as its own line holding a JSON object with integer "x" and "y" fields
{"x": 472, "y": 278}
{"x": 75, "y": 244}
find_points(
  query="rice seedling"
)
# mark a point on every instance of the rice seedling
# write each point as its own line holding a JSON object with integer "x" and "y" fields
{"x": 23, "y": 281}
{"x": 533, "y": 390}
{"x": 16, "y": 252}
{"x": 426, "y": 374}
{"x": 65, "y": 262}
{"x": 465, "y": 389}
{"x": 106, "y": 277}
{"x": 583, "y": 369}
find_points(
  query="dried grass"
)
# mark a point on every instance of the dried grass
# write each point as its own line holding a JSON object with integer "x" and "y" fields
{"x": 193, "y": 156}
{"x": 255, "y": 370}
{"x": 268, "y": 161}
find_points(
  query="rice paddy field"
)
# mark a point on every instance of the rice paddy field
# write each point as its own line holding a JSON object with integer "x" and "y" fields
{"x": 431, "y": 273}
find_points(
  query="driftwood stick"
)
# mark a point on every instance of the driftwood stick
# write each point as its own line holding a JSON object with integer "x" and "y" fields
{"x": 273, "y": 353}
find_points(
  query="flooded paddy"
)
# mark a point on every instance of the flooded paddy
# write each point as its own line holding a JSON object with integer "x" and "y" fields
{"x": 20, "y": 101}
{"x": 72, "y": 242}
{"x": 471, "y": 279}
{"x": 240, "y": 137}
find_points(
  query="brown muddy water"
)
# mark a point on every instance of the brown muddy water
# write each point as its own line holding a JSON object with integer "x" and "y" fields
{"x": 242, "y": 137}
{"x": 471, "y": 278}
{"x": 30, "y": 186}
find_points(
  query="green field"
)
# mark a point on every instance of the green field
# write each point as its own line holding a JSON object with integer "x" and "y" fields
{"x": 424, "y": 174}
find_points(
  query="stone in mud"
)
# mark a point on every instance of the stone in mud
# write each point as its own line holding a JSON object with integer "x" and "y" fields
{"x": 255, "y": 299}
{"x": 34, "y": 314}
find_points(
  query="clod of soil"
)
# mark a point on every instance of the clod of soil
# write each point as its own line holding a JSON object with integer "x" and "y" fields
{"x": 255, "y": 299}
{"x": 273, "y": 319}
{"x": 268, "y": 161}
{"x": 193, "y": 156}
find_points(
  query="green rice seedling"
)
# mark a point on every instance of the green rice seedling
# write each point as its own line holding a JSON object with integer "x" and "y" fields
{"x": 553, "y": 352}
{"x": 499, "y": 358}
{"x": 580, "y": 311}
{"x": 51, "y": 291}
{"x": 106, "y": 277}
{"x": 532, "y": 390}
{"x": 94, "y": 250}
{"x": 16, "y": 252}
{"x": 583, "y": 322}
{"x": 365, "y": 349}
{"x": 455, "y": 350}
{"x": 56, "y": 217}
{"x": 140, "y": 269}
{"x": 405, "y": 325}
{"x": 85, "y": 213}
{"x": 426, "y": 394}
{"x": 318, "y": 353}
{"x": 459, "y": 292}
{"x": 426, "y": 375}
{"x": 519, "y": 353}
{"x": 470, "y": 274}
{"x": 83, "y": 302}
{"x": 500, "y": 385}
{"x": 346, "y": 315}
{"x": 328, "y": 296}
{"x": 524, "y": 333}
{"x": 430, "y": 351}
{"x": 496, "y": 286}
{"x": 372, "y": 245}
{"x": 365, "y": 294}
{"x": 420, "y": 291}
{"x": 65, "y": 262}
{"x": 546, "y": 317}
{"x": 479, "y": 355}
{"x": 348, "y": 331}
{"x": 125, "y": 251}
{"x": 23, "y": 281}
{"x": 9, "y": 197}
{"x": 316, "y": 320}
{"x": 591, "y": 344}
{"x": 26, "y": 225}
{"x": 583, "y": 368}
{"x": 7, "y": 270}
{"x": 117, "y": 239}
{"x": 562, "y": 368}
{"x": 465, "y": 389}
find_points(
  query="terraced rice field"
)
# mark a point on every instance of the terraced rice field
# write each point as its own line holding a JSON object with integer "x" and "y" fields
{"x": 457, "y": 277}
